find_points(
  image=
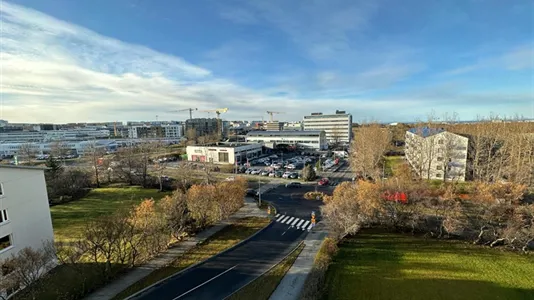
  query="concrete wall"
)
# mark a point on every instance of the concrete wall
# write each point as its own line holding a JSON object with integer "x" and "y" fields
{"x": 26, "y": 200}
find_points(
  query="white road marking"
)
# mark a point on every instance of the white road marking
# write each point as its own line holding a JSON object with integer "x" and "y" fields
{"x": 277, "y": 215}
{"x": 284, "y": 219}
{"x": 304, "y": 225}
{"x": 309, "y": 227}
{"x": 289, "y": 221}
{"x": 205, "y": 282}
{"x": 298, "y": 225}
{"x": 295, "y": 222}
{"x": 278, "y": 220}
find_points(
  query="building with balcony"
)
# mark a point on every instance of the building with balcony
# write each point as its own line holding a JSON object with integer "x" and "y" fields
{"x": 437, "y": 154}
{"x": 337, "y": 127}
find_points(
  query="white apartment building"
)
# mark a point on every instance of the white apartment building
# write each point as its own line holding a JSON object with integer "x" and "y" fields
{"x": 338, "y": 126}
{"x": 80, "y": 147}
{"x": 296, "y": 126}
{"x": 53, "y": 135}
{"x": 24, "y": 212}
{"x": 301, "y": 139}
{"x": 224, "y": 153}
{"x": 173, "y": 130}
{"x": 437, "y": 154}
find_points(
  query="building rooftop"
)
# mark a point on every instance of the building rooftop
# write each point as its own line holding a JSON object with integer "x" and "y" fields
{"x": 22, "y": 167}
{"x": 426, "y": 131}
{"x": 284, "y": 133}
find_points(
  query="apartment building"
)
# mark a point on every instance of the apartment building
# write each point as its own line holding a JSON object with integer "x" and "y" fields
{"x": 274, "y": 126}
{"x": 24, "y": 212}
{"x": 337, "y": 127}
{"x": 203, "y": 126}
{"x": 437, "y": 154}
{"x": 301, "y": 139}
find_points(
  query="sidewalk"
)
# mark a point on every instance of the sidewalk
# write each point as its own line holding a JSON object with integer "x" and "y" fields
{"x": 250, "y": 209}
{"x": 292, "y": 283}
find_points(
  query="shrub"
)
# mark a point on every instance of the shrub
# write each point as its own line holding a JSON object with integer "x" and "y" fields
{"x": 313, "y": 287}
{"x": 314, "y": 195}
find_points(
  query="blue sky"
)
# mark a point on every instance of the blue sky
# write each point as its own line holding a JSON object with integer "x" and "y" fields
{"x": 94, "y": 60}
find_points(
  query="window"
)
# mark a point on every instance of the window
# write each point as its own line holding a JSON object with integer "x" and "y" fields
{"x": 1, "y": 190}
{"x": 440, "y": 158}
{"x": 5, "y": 242}
{"x": 438, "y": 175}
{"x": 223, "y": 157}
{"x": 439, "y": 168}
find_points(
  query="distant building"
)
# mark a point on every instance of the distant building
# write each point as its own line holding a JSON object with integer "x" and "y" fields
{"x": 274, "y": 126}
{"x": 202, "y": 126}
{"x": 224, "y": 153}
{"x": 338, "y": 126}
{"x": 24, "y": 212}
{"x": 295, "y": 126}
{"x": 437, "y": 154}
{"x": 301, "y": 139}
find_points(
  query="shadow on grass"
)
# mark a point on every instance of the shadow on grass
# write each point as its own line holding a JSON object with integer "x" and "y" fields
{"x": 70, "y": 282}
{"x": 377, "y": 265}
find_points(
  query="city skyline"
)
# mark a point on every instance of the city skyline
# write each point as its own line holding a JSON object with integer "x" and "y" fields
{"x": 65, "y": 63}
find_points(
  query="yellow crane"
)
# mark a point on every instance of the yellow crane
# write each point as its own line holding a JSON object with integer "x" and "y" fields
{"x": 217, "y": 111}
{"x": 271, "y": 113}
{"x": 187, "y": 109}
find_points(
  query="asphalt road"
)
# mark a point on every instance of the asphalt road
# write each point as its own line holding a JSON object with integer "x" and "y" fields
{"x": 223, "y": 274}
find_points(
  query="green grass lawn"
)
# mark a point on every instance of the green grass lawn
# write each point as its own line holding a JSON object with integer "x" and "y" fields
{"x": 68, "y": 219}
{"x": 220, "y": 241}
{"x": 391, "y": 162}
{"x": 264, "y": 286}
{"x": 375, "y": 265}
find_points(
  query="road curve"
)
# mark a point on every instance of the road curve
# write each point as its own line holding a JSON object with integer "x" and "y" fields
{"x": 225, "y": 273}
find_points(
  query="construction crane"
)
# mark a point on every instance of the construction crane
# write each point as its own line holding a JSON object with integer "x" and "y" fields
{"x": 217, "y": 111}
{"x": 274, "y": 112}
{"x": 187, "y": 109}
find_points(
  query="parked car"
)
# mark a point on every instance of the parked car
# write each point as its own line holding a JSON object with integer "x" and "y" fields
{"x": 247, "y": 171}
{"x": 272, "y": 174}
{"x": 255, "y": 172}
{"x": 286, "y": 175}
{"x": 251, "y": 192}
{"x": 264, "y": 173}
{"x": 293, "y": 185}
{"x": 323, "y": 181}
{"x": 293, "y": 176}
{"x": 278, "y": 174}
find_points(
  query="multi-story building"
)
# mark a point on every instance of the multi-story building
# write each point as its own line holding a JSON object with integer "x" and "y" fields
{"x": 437, "y": 154}
{"x": 338, "y": 126}
{"x": 24, "y": 212}
{"x": 203, "y": 126}
{"x": 301, "y": 139}
{"x": 274, "y": 126}
{"x": 224, "y": 153}
{"x": 295, "y": 126}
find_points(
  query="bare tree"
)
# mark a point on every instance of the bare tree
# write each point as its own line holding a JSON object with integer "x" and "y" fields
{"x": 176, "y": 214}
{"x": 368, "y": 149}
{"x": 191, "y": 135}
{"x": 28, "y": 152}
{"x": 95, "y": 155}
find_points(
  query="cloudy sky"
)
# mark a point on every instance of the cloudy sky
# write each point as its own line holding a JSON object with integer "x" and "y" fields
{"x": 388, "y": 60}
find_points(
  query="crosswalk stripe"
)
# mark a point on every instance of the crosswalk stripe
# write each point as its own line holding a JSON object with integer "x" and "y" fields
{"x": 278, "y": 220}
{"x": 304, "y": 225}
{"x": 284, "y": 219}
{"x": 277, "y": 215}
{"x": 289, "y": 221}
{"x": 301, "y": 221}
{"x": 309, "y": 227}
{"x": 295, "y": 222}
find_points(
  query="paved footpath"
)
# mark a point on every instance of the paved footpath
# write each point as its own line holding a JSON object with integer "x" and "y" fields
{"x": 291, "y": 285}
{"x": 250, "y": 209}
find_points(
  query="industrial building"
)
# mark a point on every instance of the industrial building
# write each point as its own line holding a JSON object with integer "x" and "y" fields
{"x": 337, "y": 127}
{"x": 224, "y": 153}
{"x": 24, "y": 212}
{"x": 301, "y": 139}
{"x": 437, "y": 154}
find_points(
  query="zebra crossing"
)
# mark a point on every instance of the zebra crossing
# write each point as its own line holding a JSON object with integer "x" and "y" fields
{"x": 298, "y": 223}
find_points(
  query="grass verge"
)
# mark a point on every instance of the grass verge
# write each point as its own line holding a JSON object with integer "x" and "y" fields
{"x": 222, "y": 240}
{"x": 377, "y": 265}
{"x": 264, "y": 286}
{"x": 69, "y": 219}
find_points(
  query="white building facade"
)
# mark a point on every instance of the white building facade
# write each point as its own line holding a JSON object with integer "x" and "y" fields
{"x": 222, "y": 153}
{"x": 337, "y": 127}
{"x": 301, "y": 139}
{"x": 25, "y": 219}
{"x": 437, "y": 154}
